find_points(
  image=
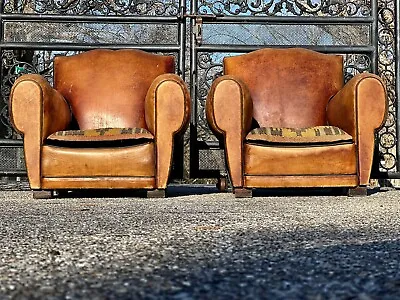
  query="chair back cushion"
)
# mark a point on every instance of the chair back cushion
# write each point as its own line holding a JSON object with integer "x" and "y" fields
{"x": 107, "y": 88}
{"x": 289, "y": 87}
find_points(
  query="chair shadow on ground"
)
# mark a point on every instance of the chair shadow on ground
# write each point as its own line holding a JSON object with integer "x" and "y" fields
{"x": 175, "y": 191}
{"x": 172, "y": 192}
{"x": 292, "y": 192}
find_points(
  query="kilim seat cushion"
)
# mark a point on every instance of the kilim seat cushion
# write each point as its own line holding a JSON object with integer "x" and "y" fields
{"x": 101, "y": 136}
{"x": 309, "y": 135}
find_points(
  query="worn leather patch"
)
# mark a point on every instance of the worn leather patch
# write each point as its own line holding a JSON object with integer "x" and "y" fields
{"x": 308, "y": 135}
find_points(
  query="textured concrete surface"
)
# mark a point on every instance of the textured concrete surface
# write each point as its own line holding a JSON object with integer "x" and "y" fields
{"x": 198, "y": 244}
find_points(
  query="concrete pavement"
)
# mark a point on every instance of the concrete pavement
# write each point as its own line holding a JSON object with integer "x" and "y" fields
{"x": 200, "y": 244}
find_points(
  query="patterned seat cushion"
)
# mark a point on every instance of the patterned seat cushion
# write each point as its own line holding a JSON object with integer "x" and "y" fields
{"x": 308, "y": 136}
{"x": 100, "y": 137}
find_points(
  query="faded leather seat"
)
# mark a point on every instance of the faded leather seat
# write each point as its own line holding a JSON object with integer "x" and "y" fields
{"x": 128, "y": 107}
{"x": 312, "y": 130}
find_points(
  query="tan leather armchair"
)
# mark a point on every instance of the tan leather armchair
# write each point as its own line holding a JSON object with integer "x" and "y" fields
{"x": 311, "y": 130}
{"x": 129, "y": 108}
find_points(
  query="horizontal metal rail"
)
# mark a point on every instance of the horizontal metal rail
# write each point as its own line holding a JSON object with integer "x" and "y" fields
{"x": 293, "y": 20}
{"x": 11, "y": 143}
{"x": 386, "y": 175}
{"x": 287, "y": 20}
{"x": 86, "y": 18}
{"x": 206, "y": 145}
{"x": 83, "y": 46}
{"x": 13, "y": 173}
{"x": 323, "y": 48}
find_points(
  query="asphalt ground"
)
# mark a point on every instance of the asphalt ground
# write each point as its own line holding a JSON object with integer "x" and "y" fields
{"x": 200, "y": 244}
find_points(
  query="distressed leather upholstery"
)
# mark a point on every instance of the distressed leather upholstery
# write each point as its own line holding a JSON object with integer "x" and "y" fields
{"x": 293, "y": 94}
{"x": 129, "y": 107}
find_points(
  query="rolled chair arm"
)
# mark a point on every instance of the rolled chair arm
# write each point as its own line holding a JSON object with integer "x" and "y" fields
{"x": 36, "y": 111}
{"x": 360, "y": 108}
{"x": 36, "y": 106}
{"x": 167, "y": 112}
{"x": 229, "y": 111}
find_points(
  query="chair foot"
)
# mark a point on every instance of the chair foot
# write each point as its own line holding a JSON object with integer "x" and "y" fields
{"x": 157, "y": 193}
{"x": 222, "y": 184}
{"x": 243, "y": 193}
{"x": 359, "y": 191}
{"x": 42, "y": 194}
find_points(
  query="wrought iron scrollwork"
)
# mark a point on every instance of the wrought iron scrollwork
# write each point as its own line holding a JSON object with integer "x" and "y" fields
{"x": 387, "y": 137}
{"x": 341, "y": 8}
{"x": 94, "y": 7}
{"x": 209, "y": 68}
{"x": 15, "y": 64}
{"x": 355, "y": 64}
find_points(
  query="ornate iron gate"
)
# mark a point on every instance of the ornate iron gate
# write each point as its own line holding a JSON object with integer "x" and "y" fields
{"x": 365, "y": 32}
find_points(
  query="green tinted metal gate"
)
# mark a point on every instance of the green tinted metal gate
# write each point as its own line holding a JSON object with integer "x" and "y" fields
{"x": 199, "y": 33}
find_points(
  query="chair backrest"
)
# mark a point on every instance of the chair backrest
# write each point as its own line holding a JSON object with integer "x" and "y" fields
{"x": 289, "y": 87}
{"x": 107, "y": 88}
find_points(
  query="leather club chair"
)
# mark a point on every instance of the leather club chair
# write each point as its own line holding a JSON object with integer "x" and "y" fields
{"x": 288, "y": 120}
{"x": 129, "y": 108}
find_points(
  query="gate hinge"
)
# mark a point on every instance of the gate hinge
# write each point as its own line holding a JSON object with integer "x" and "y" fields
{"x": 198, "y": 23}
{"x": 198, "y": 30}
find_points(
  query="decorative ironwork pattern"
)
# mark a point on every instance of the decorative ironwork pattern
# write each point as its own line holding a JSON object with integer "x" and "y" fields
{"x": 355, "y": 64}
{"x": 338, "y": 8}
{"x": 387, "y": 138}
{"x": 210, "y": 68}
{"x": 16, "y": 63}
{"x": 94, "y": 7}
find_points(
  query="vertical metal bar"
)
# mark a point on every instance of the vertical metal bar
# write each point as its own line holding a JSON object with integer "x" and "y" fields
{"x": 397, "y": 75}
{"x": 2, "y": 7}
{"x": 194, "y": 149}
{"x": 374, "y": 67}
{"x": 374, "y": 35}
{"x": 182, "y": 38}
{"x": 1, "y": 49}
{"x": 178, "y": 158}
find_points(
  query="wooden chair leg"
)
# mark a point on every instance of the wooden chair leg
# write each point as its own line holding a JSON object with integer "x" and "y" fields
{"x": 243, "y": 193}
{"x": 157, "y": 193}
{"x": 42, "y": 194}
{"x": 359, "y": 191}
